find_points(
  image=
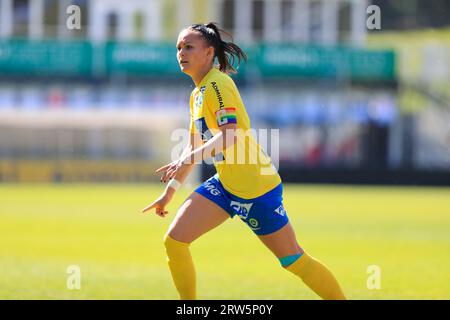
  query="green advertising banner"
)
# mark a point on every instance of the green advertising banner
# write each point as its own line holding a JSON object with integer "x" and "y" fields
{"x": 81, "y": 58}
{"x": 318, "y": 62}
{"x": 146, "y": 59}
{"x": 366, "y": 65}
{"x": 48, "y": 57}
{"x": 141, "y": 59}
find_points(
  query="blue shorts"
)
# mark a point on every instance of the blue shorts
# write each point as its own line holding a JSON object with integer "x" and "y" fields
{"x": 264, "y": 214}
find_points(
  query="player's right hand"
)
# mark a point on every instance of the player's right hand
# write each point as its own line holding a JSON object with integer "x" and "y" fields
{"x": 159, "y": 205}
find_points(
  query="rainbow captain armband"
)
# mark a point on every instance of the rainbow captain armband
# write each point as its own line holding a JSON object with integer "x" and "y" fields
{"x": 226, "y": 116}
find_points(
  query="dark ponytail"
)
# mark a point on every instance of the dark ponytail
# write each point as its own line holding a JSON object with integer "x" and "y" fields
{"x": 226, "y": 52}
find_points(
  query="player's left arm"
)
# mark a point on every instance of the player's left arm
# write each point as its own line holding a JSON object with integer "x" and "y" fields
{"x": 223, "y": 139}
{"x": 221, "y": 103}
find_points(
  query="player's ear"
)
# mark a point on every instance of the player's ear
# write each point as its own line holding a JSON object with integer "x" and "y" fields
{"x": 210, "y": 52}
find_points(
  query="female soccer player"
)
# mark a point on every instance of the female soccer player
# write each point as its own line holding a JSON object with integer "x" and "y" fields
{"x": 249, "y": 188}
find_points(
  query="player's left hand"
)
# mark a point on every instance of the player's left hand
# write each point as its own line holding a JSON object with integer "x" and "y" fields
{"x": 170, "y": 170}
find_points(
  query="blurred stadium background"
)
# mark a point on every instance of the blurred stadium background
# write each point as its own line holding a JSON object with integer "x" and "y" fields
{"x": 99, "y": 104}
{"x": 351, "y": 104}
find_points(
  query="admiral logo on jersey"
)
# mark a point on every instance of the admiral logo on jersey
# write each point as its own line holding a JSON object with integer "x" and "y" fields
{"x": 219, "y": 97}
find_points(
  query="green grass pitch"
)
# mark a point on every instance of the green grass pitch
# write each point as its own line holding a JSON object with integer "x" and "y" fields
{"x": 46, "y": 228}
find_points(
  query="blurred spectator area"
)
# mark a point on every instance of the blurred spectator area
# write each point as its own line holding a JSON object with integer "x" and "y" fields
{"x": 307, "y": 21}
{"x": 322, "y": 124}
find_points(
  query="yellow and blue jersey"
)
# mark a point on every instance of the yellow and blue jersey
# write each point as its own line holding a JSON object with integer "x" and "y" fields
{"x": 244, "y": 169}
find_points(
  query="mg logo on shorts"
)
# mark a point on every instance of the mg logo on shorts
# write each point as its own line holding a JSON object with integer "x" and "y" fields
{"x": 280, "y": 210}
{"x": 212, "y": 189}
{"x": 242, "y": 208}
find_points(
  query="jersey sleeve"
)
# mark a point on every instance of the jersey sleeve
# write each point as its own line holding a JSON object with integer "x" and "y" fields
{"x": 191, "y": 115}
{"x": 221, "y": 101}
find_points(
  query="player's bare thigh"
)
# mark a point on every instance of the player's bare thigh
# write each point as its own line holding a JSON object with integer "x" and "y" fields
{"x": 196, "y": 216}
{"x": 283, "y": 242}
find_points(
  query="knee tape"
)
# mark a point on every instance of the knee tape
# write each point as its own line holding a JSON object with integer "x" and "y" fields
{"x": 288, "y": 260}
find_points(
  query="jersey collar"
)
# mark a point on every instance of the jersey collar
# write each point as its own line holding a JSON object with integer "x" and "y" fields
{"x": 205, "y": 78}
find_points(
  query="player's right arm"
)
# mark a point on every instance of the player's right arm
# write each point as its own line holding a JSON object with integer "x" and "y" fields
{"x": 160, "y": 204}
